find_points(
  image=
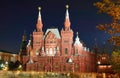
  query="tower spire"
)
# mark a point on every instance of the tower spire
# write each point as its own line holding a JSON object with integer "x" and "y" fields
{"x": 95, "y": 47}
{"x": 39, "y": 22}
{"x": 67, "y": 19}
{"x": 104, "y": 48}
{"x": 24, "y": 37}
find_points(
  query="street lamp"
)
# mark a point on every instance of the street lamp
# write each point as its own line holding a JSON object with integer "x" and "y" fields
{"x": 6, "y": 63}
{"x": 98, "y": 62}
{"x": 20, "y": 66}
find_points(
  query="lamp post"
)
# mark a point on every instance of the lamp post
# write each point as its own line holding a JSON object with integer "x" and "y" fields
{"x": 20, "y": 67}
{"x": 98, "y": 69}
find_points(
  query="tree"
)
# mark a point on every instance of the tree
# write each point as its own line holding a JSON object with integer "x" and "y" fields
{"x": 11, "y": 65}
{"x": 115, "y": 61}
{"x": 112, "y": 8}
{"x": 17, "y": 63}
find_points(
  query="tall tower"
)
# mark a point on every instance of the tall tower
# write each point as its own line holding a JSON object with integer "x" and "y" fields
{"x": 67, "y": 19}
{"x": 39, "y": 24}
{"x": 66, "y": 35}
{"x": 38, "y": 35}
{"x": 23, "y": 50}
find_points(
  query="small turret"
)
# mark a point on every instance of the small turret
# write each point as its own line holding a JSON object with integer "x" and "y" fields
{"x": 77, "y": 41}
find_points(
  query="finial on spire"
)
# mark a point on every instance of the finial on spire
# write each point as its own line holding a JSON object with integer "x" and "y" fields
{"x": 95, "y": 39}
{"x": 67, "y": 6}
{"x": 39, "y": 8}
{"x": 77, "y": 33}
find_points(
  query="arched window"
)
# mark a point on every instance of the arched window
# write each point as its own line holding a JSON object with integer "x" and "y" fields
{"x": 50, "y": 51}
{"x": 57, "y": 65}
{"x": 12, "y": 59}
{"x": 76, "y": 66}
{"x": 64, "y": 68}
{"x": 66, "y": 51}
{"x": 46, "y": 50}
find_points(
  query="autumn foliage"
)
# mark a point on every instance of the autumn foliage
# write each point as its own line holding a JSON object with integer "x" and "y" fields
{"x": 115, "y": 61}
{"x": 112, "y": 8}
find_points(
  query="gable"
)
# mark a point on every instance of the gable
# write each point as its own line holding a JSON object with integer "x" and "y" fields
{"x": 50, "y": 35}
{"x": 54, "y": 31}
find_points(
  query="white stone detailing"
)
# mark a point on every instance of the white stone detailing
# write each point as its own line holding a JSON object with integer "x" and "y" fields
{"x": 42, "y": 49}
{"x": 39, "y": 16}
{"x": 51, "y": 51}
{"x": 67, "y": 14}
{"x": 30, "y": 61}
{"x": 29, "y": 43}
{"x": 37, "y": 52}
{"x": 54, "y": 51}
{"x": 57, "y": 48}
{"x": 54, "y": 31}
{"x": 88, "y": 49}
{"x": 42, "y": 52}
{"x": 46, "y": 51}
{"x": 77, "y": 41}
{"x": 70, "y": 60}
{"x": 85, "y": 49}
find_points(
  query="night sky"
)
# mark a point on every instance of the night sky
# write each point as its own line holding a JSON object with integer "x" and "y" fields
{"x": 19, "y": 15}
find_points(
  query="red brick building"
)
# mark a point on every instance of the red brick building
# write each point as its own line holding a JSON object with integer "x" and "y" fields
{"x": 56, "y": 51}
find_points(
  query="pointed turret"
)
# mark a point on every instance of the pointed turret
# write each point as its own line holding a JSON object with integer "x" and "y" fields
{"x": 77, "y": 41}
{"x": 95, "y": 47}
{"x": 23, "y": 50}
{"x": 67, "y": 19}
{"x": 24, "y": 43}
{"x": 39, "y": 22}
{"x": 104, "y": 48}
{"x": 29, "y": 45}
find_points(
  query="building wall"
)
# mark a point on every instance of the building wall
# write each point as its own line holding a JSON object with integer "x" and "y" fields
{"x": 51, "y": 51}
{"x": 8, "y": 56}
{"x": 82, "y": 63}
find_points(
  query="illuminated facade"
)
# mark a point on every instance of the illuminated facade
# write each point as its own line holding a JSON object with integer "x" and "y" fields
{"x": 8, "y": 56}
{"x": 56, "y": 51}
